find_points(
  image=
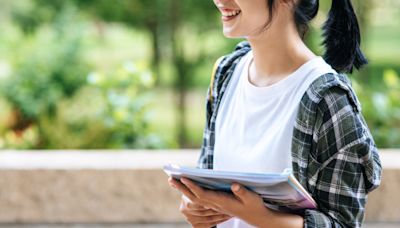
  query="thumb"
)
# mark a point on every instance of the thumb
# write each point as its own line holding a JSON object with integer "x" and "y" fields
{"x": 242, "y": 193}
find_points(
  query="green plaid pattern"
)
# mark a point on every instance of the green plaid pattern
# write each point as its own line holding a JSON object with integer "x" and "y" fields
{"x": 334, "y": 155}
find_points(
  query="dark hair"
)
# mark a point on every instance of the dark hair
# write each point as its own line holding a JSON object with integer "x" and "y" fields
{"x": 341, "y": 32}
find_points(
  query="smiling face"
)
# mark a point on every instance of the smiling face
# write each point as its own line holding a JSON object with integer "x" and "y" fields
{"x": 242, "y": 18}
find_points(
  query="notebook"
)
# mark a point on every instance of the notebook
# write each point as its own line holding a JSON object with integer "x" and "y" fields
{"x": 280, "y": 191}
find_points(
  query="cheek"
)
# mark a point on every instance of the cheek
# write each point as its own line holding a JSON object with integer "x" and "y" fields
{"x": 254, "y": 13}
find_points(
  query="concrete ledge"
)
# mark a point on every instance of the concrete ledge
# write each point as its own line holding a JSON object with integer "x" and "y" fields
{"x": 123, "y": 187}
{"x": 95, "y": 159}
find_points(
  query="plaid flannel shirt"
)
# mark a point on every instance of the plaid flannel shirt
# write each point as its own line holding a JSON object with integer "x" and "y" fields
{"x": 334, "y": 155}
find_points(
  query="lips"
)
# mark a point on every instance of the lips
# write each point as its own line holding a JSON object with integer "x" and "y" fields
{"x": 229, "y": 14}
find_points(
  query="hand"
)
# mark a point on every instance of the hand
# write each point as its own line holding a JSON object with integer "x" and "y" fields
{"x": 244, "y": 204}
{"x": 199, "y": 216}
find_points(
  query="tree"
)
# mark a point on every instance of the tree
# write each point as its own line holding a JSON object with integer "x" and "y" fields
{"x": 165, "y": 21}
{"x": 46, "y": 70}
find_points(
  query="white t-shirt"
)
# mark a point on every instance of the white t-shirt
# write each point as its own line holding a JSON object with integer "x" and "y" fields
{"x": 254, "y": 125}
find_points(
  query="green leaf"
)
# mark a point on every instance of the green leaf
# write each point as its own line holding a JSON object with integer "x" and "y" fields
{"x": 391, "y": 78}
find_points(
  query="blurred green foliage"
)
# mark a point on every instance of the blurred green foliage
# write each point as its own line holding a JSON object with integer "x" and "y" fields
{"x": 126, "y": 113}
{"x": 49, "y": 69}
{"x": 134, "y": 73}
{"x": 54, "y": 96}
{"x": 381, "y": 108}
{"x": 111, "y": 111}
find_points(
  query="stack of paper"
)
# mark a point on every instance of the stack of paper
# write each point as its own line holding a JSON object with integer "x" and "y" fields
{"x": 280, "y": 191}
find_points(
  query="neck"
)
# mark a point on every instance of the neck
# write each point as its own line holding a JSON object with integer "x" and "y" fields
{"x": 277, "y": 53}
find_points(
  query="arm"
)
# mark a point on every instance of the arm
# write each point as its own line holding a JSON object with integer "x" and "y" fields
{"x": 281, "y": 220}
{"x": 346, "y": 167}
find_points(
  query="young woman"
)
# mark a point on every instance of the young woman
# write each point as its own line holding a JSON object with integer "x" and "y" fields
{"x": 273, "y": 105}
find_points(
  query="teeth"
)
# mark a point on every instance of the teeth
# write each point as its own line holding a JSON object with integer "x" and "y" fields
{"x": 231, "y": 13}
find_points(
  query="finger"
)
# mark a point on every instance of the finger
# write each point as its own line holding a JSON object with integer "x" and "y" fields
{"x": 204, "y": 213}
{"x": 217, "y": 200}
{"x": 208, "y": 219}
{"x": 195, "y": 207}
{"x": 211, "y": 224}
{"x": 191, "y": 205}
{"x": 183, "y": 189}
{"x": 198, "y": 191}
{"x": 243, "y": 194}
{"x": 187, "y": 206}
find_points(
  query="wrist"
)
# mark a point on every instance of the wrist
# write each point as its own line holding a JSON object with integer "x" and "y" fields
{"x": 273, "y": 219}
{"x": 264, "y": 221}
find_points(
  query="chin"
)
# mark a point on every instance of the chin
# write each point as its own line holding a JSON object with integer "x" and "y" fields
{"x": 232, "y": 34}
{"x": 229, "y": 36}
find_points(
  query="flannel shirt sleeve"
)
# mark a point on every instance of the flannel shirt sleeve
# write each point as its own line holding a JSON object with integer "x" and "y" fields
{"x": 345, "y": 163}
{"x": 206, "y": 155}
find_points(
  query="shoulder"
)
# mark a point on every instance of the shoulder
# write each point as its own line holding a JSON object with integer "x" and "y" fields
{"x": 329, "y": 89}
{"x": 336, "y": 122}
{"x": 230, "y": 60}
{"x": 330, "y": 97}
{"x": 225, "y": 66}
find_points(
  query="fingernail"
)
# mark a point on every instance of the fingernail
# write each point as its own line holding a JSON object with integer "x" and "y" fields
{"x": 236, "y": 187}
{"x": 171, "y": 183}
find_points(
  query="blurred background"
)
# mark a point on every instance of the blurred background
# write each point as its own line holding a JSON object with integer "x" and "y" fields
{"x": 89, "y": 74}
{"x": 97, "y": 95}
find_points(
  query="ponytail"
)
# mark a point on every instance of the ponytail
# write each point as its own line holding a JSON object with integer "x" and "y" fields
{"x": 341, "y": 32}
{"x": 342, "y": 38}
